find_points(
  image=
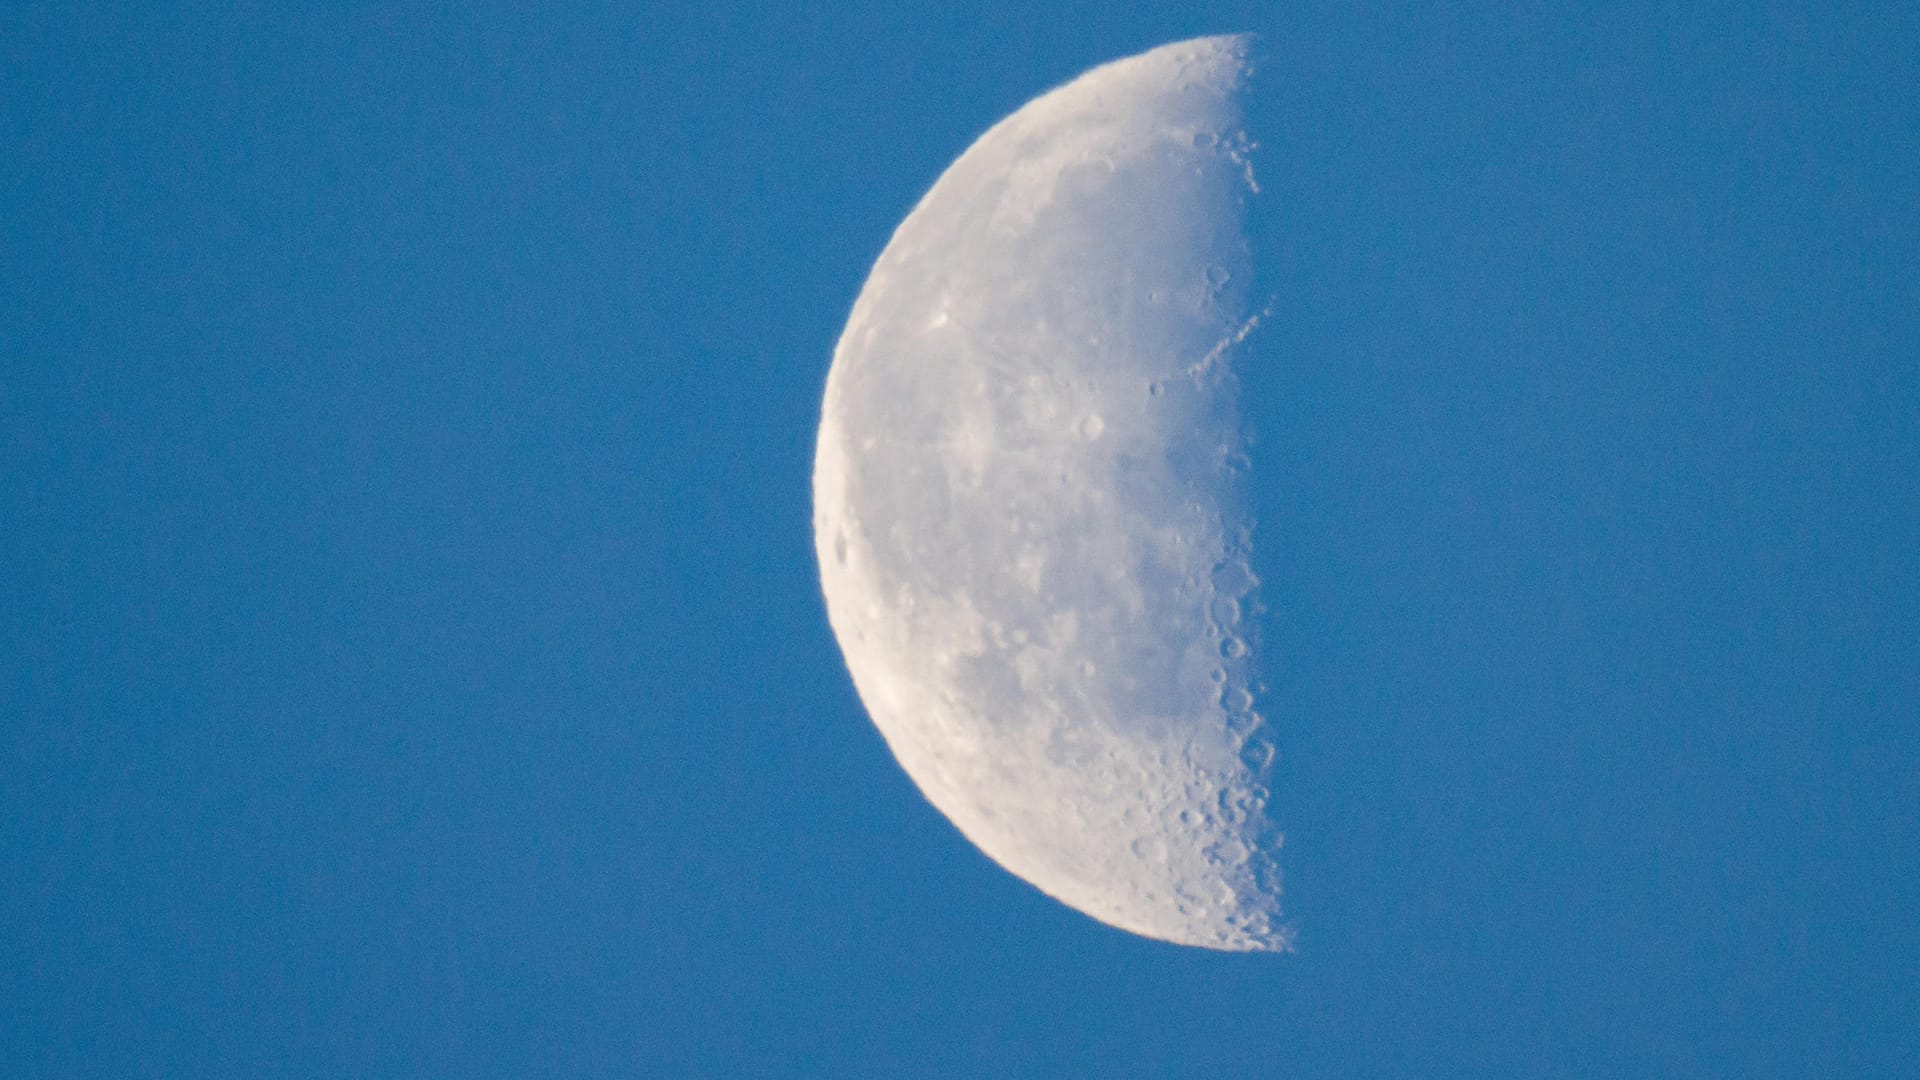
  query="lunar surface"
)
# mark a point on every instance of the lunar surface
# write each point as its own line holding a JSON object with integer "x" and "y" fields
{"x": 1030, "y": 501}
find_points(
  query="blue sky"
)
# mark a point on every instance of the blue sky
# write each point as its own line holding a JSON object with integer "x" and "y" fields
{"x": 411, "y": 656}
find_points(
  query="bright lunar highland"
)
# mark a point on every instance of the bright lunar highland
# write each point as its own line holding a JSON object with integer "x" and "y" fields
{"x": 1030, "y": 501}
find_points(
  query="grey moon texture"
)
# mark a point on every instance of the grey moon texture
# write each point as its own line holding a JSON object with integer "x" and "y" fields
{"x": 1031, "y": 507}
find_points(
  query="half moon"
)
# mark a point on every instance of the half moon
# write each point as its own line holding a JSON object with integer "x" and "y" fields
{"x": 1030, "y": 503}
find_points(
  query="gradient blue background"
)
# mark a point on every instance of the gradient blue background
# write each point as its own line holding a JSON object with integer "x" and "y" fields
{"x": 411, "y": 660}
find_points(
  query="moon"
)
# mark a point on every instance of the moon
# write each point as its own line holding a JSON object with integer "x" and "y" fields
{"x": 1031, "y": 506}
